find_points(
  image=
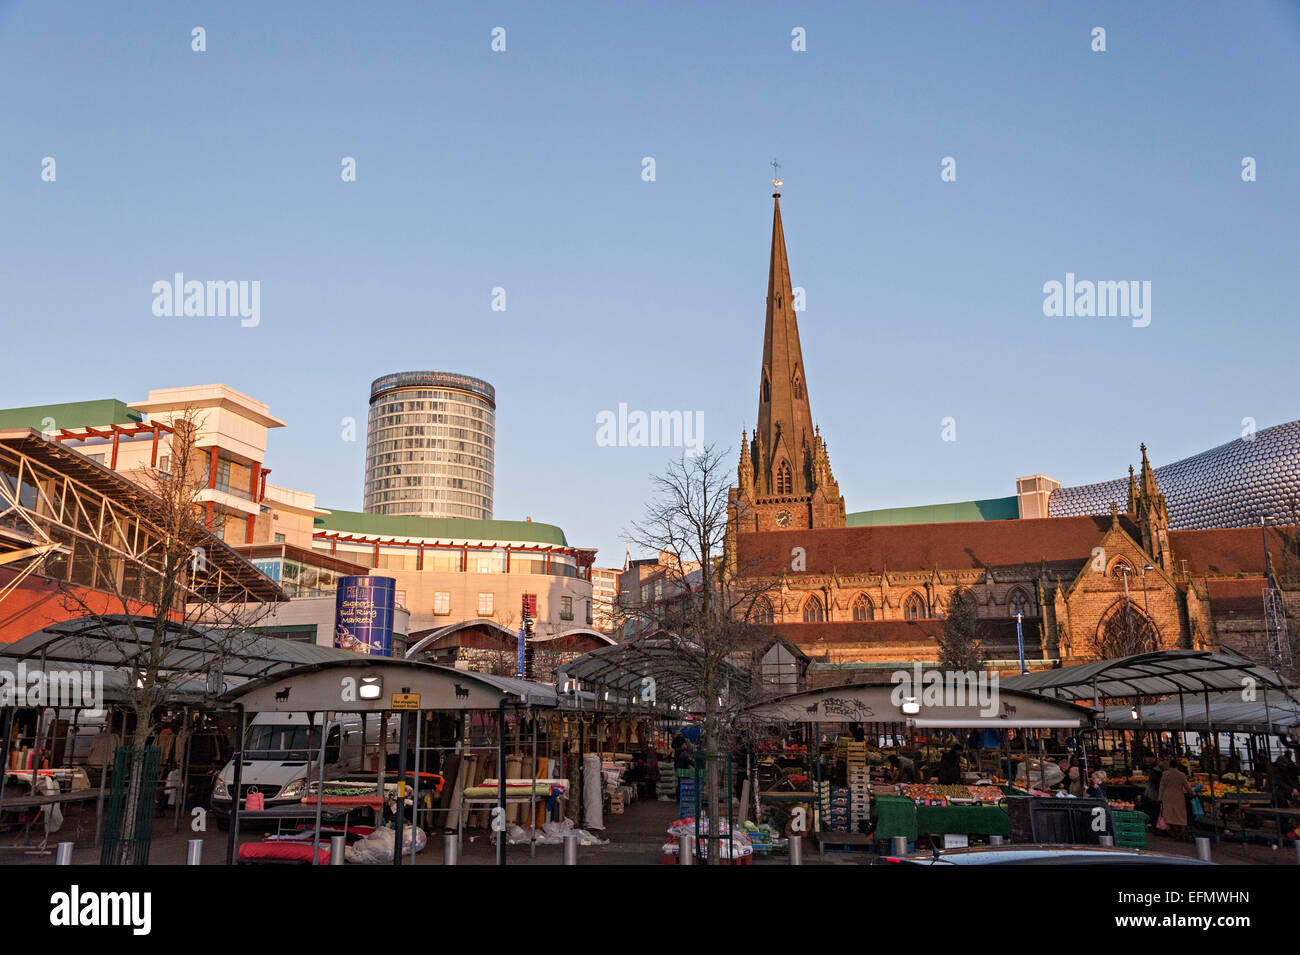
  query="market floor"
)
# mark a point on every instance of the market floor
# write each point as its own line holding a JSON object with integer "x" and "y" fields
{"x": 635, "y": 837}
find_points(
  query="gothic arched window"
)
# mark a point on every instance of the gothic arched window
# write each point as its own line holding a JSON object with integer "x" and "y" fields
{"x": 1125, "y": 630}
{"x": 784, "y": 478}
{"x": 762, "y": 612}
{"x": 767, "y": 390}
{"x": 1120, "y": 568}
{"x": 914, "y": 607}
{"x": 812, "y": 610}
{"x": 798, "y": 388}
{"x": 862, "y": 608}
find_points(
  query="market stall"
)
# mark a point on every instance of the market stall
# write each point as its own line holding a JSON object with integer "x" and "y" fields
{"x": 902, "y": 724}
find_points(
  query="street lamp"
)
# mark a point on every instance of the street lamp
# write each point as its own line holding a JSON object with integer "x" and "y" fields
{"x": 1145, "y": 609}
{"x": 1128, "y": 615}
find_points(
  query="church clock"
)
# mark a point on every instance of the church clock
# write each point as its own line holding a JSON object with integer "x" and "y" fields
{"x": 783, "y": 518}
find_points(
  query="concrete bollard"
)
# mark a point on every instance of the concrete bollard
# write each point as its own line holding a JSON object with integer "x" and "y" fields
{"x": 898, "y": 846}
{"x": 796, "y": 850}
{"x": 338, "y": 850}
{"x": 1106, "y": 841}
{"x": 570, "y": 849}
{"x": 64, "y": 854}
{"x": 686, "y": 850}
{"x": 451, "y": 849}
{"x": 997, "y": 840}
{"x": 1203, "y": 848}
{"x": 194, "y": 852}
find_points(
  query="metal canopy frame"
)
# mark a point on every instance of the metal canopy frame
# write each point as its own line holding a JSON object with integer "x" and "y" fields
{"x": 229, "y": 574}
{"x": 623, "y": 666}
{"x": 1160, "y": 673}
{"x": 90, "y": 640}
{"x": 1227, "y": 713}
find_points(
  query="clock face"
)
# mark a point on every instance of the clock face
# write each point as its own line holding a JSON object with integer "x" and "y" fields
{"x": 783, "y": 518}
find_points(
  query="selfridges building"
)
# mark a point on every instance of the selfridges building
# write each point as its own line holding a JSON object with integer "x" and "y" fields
{"x": 1232, "y": 485}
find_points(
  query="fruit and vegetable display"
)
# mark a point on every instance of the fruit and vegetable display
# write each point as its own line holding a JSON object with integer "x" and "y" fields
{"x": 931, "y": 793}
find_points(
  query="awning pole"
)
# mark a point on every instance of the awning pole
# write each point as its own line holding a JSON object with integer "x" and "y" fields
{"x": 415, "y": 784}
{"x": 532, "y": 805}
{"x": 320, "y": 786}
{"x": 501, "y": 782}
{"x": 234, "y": 792}
{"x": 399, "y": 824}
{"x": 10, "y": 712}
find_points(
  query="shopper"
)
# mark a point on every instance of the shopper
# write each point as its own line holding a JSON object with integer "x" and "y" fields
{"x": 1097, "y": 785}
{"x": 1283, "y": 781}
{"x": 1174, "y": 790}
{"x": 949, "y": 771}
{"x": 902, "y": 769}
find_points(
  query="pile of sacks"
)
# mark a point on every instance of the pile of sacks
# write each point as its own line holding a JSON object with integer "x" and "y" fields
{"x": 552, "y": 834}
{"x": 377, "y": 848}
{"x": 732, "y": 845}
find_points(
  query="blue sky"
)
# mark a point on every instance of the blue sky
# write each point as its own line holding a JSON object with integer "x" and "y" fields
{"x": 522, "y": 169}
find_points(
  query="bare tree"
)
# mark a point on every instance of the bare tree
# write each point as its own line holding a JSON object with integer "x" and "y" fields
{"x": 702, "y": 619}
{"x": 174, "y": 613}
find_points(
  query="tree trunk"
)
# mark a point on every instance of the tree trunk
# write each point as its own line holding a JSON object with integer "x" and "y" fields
{"x": 711, "y": 778}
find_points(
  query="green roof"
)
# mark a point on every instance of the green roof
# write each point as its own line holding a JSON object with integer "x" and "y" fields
{"x": 73, "y": 414}
{"x": 440, "y": 528}
{"x": 990, "y": 509}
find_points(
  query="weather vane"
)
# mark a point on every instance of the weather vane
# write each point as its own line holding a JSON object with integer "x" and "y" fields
{"x": 776, "y": 174}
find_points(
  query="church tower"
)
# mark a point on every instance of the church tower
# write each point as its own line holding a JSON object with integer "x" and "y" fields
{"x": 784, "y": 474}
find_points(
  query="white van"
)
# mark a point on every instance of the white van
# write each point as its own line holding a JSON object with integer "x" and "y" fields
{"x": 282, "y": 753}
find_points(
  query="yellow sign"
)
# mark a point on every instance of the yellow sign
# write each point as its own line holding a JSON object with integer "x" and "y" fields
{"x": 405, "y": 701}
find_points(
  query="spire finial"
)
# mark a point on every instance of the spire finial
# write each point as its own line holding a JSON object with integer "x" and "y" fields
{"x": 777, "y": 181}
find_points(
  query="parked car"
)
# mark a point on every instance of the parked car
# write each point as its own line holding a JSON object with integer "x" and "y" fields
{"x": 1043, "y": 855}
{"x": 282, "y": 756}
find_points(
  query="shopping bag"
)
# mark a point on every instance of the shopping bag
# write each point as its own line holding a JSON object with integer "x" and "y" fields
{"x": 1197, "y": 810}
{"x": 1161, "y": 824}
{"x": 254, "y": 802}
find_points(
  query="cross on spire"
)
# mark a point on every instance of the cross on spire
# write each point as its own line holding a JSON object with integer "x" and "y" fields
{"x": 776, "y": 174}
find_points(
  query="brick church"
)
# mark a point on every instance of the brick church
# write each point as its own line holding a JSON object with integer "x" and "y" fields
{"x": 856, "y": 598}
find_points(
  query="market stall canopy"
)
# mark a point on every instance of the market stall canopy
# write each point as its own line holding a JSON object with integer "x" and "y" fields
{"x": 85, "y": 686}
{"x": 1228, "y": 713}
{"x": 624, "y": 669}
{"x": 1160, "y": 673}
{"x": 369, "y": 684}
{"x": 109, "y": 641}
{"x": 994, "y": 708}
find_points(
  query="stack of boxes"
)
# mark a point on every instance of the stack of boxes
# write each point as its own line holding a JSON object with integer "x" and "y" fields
{"x": 822, "y": 789}
{"x": 686, "y": 784}
{"x": 855, "y": 755}
{"x": 840, "y": 809}
{"x": 860, "y": 796}
{"x": 666, "y": 785}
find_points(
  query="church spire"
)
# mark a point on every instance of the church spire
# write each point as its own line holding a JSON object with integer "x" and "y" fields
{"x": 785, "y": 428}
{"x": 784, "y": 476}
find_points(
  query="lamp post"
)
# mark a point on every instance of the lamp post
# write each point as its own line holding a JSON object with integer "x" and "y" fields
{"x": 1128, "y": 615}
{"x": 1145, "y": 609}
{"x": 1020, "y": 638}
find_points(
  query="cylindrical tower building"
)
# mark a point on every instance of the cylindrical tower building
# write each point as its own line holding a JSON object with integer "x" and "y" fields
{"x": 430, "y": 445}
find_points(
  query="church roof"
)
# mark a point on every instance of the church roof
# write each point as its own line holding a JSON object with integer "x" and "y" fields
{"x": 908, "y": 548}
{"x": 1227, "y": 551}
